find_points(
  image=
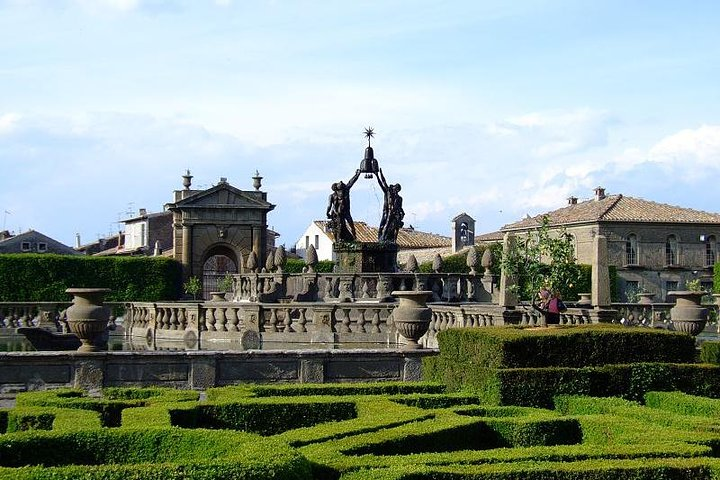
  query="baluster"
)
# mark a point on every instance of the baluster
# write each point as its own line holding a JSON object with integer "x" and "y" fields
{"x": 345, "y": 328}
{"x": 273, "y": 320}
{"x": 361, "y": 321}
{"x": 161, "y": 318}
{"x": 287, "y": 322}
{"x": 302, "y": 321}
{"x": 182, "y": 318}
{"x": 210, "y": 319}
{"x": 328, "y": 288}
{"x": 375, "y": 321}
{"x": 220, "y": 319}
{"x": 365, "y": 288}
{"x": 173, "y": 319}
{"x": 233, "y": 319}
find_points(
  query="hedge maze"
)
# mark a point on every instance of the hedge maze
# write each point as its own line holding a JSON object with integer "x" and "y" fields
{"x": 388, "y": 431}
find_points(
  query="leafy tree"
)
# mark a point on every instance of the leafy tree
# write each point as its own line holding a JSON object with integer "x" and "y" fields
{"x": 543, "y": 259}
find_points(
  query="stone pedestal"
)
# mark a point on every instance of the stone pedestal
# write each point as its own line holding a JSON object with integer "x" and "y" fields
{"x": 359, "y": 257}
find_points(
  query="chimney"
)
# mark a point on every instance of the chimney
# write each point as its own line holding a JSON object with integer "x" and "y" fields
{"x": 599, "y": 193}
{"x": 143, "y": 212}
{"x": 77, "y": 241}
{"x": 572, "y": 200}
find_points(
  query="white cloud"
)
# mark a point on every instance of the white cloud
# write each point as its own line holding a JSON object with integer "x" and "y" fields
{"x": 557, "y": 133}
{"x": 111, "y": 5}
{"x": 689, "y": 148}
{"x": 8, "y": 122}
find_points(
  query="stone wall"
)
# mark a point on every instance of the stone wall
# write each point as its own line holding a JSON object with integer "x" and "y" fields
{"x": 21, "y": 371}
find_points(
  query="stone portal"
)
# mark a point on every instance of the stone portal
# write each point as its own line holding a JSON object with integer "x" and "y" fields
{"x": 222, "y": 220}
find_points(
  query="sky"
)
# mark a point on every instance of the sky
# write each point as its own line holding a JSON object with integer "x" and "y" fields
{"x": 494, "y": 108}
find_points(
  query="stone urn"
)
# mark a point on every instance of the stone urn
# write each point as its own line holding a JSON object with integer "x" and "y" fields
{"x": 645, "y": 298}
{"x": 88, "y": 318}
{"x": 585, "y": 300}
{"x": 412, "y": 316}
{"x": 687, "y": 315}
{"x": 217, "y": 296}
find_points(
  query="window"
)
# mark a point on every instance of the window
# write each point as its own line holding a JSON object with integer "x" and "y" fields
{"x": 671, "y": 285}
{"x": 706, "y": 285}
{"x": 143, "y": 231}
{"x": 671, "y": 250}
{"x": 25, "y": 246}
{"x": 42, "y": 247}
{"x": 631, "y": 256}
{"x": 307, "y": 241}
{"x": 317, "y": 242}
{"x": 710, "y": 251}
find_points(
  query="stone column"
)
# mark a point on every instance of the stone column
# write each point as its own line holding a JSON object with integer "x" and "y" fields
{"x": 600, "y": 273}
{"x": 187, "y": 250}
{"x": 507, "y": 298}
{"x": 257, "y": 243}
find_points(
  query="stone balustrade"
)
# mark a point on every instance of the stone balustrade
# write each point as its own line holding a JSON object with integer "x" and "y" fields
{"x": 283, "y": 322}
{"x": 49, "y": 315}
{"x": 359, "y": 287}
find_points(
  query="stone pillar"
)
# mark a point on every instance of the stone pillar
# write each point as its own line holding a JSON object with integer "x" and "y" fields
{"x": 507, "y": 298}
{"x": 600, "y": 273}
{"x": 322, "y": 324}
{"x": 187, "y": 250}
{"x": 257, "y": 243}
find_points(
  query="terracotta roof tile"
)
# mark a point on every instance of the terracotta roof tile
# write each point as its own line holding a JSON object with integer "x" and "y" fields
{"x": 407, "y": 237}
{"x": 617, "y": 208}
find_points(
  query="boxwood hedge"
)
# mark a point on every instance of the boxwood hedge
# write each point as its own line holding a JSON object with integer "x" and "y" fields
{"x": 44, "y": 277}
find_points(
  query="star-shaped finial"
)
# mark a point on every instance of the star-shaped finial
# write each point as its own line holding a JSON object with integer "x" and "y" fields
{"x": 369, "y": 133}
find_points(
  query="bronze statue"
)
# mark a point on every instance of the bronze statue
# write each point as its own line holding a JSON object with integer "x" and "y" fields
{"x": 393, "y": 213}
{"x": 338, "y": 210}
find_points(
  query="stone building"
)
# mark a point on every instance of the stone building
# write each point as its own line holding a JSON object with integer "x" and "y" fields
{"x": 148, "y": 233}
{"x": 655, "y": 247}
{"x": 32, "y": 242}
{"x": 409, "y": 240}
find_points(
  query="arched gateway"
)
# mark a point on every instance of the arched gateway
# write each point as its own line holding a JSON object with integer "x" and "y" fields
{"x": 214, "y": 229}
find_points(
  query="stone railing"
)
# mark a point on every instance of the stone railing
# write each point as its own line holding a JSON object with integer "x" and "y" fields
{"x": 286, "y": 322}
{"x": 332, "y": 287}
{"x": 446, "y": 316}
{"x": 49, "y": 315}
{"x": 657, "y": 314}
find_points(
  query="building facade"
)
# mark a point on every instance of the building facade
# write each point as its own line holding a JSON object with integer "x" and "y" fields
{"x": 32, "y": 242}
{"x": 656, "y": 248}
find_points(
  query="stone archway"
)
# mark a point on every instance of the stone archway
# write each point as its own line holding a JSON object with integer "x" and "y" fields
{"x": 218, "y": 261}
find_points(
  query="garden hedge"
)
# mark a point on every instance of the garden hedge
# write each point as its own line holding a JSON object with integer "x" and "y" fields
{"x": 710, "y": 352}
{"x": 414, "y": 435}
{"x": 575, "y": 346}
{"x": 138, "y": 454}
{"x": 44, "y": 277}
{"x": 536, "y": 387}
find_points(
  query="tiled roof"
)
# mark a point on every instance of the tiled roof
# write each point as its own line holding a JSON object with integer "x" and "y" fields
{"x": 617, "y": 208}
{"x": 490, "y": 237}
{"x": 407, "y": 237}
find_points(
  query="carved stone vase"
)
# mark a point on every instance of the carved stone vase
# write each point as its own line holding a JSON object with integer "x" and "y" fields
{"x": 585, "y": 300}
{"x": 687, "y": 315}
{"x": 645, "y": 298}
{"x": 88, "y": 318}
{"x": 412, "y": 316}
{"x": 217, "y": 296}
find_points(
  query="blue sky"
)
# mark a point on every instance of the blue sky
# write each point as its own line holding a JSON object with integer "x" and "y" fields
{"x": 494, "y": 108}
